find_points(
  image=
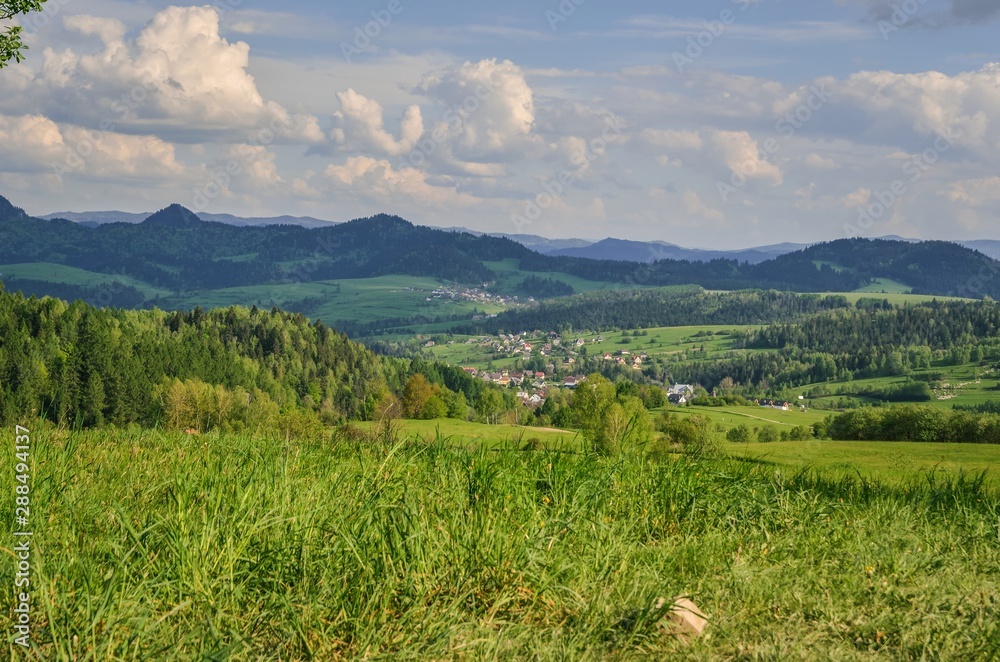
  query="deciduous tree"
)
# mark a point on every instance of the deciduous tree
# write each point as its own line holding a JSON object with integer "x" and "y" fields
{"x": 11, "y": 45}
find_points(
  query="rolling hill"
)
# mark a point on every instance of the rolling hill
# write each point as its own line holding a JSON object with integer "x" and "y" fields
{"x": 95, "y": 218}
{"x": 653, "y": 251}
{"x": 175, "y": 251}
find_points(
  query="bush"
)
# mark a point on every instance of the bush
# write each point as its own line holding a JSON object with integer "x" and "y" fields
{"x": 693, "y": 434}
{"x": 768, "y": 434}
{"x": 740, "y": 434}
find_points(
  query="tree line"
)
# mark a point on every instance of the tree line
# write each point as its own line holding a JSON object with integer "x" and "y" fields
{"x": 636, "y": 309}
{"x": 915, "y": 423}
{"x": 232, "y": 368}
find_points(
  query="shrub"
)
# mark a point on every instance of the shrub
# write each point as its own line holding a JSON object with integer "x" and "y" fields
{"x": 768, "y": 434}
{"x": 740, "y": 434}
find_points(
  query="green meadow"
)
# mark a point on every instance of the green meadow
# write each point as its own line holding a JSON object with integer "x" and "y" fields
{"x": 968, "y": 384}
{"x": 893, "y": 462}
{"x": 163, "y": 546}
{"x": 726, "y": 418}
{"x": 350, "y": 300}
{"x": 510, "y": 275}
{"x": 475, "y": 435}
{"x": 60, "y": 273}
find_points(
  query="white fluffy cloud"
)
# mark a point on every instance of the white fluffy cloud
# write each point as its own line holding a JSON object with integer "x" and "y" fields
{"x": 259, "y": 170}
{"x": 673, "y": 140}
{"x": 32, "y": 143}
{"x": 735, "y": 151}
{"x": 370, "y": 179}
{"x": 814, "y": 160}
{"x": 976, "y": 192}
{"x": 360, "y": 125}
{"x": 489, "y": 111}
{"x": 910, "y": 109}
{"x": 742, "y": 155}
{"x": 179, "y": 76}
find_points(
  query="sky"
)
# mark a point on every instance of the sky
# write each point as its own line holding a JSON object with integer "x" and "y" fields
{"x": 715, "y": 124}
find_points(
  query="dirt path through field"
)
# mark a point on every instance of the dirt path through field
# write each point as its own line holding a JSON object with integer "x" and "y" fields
{"x": 766, "y": 420}
{"x": 524, "y": 427}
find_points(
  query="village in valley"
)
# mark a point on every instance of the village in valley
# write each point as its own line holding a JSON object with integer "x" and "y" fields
{"x": 536, "y": 362}
{"x": 476, "y": 295}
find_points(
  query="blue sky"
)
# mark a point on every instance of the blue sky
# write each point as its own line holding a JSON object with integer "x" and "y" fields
{"x": 715, "y": 124}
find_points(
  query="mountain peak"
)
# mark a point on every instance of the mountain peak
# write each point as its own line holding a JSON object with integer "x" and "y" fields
{"x": 383, "y": 223}
{"x": 174, "y": 216}
{"x": 7, "y": 210}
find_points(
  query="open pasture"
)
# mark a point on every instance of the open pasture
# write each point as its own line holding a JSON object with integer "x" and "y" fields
{"x": 162, "y": 546}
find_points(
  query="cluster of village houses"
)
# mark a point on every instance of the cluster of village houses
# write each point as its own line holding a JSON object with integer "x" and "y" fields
{"x": 626, "y": 358}
{"x": 475, "y": 295}
{"x": 533, "y": 386}
{"x": 539, "y": 386}
{"x": 519, "y": 345}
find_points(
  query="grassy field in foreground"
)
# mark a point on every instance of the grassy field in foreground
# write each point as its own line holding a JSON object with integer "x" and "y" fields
{"x": 464, "y": 433}
{"x": 156, "y": 546}
{"x": 887, "y": 461}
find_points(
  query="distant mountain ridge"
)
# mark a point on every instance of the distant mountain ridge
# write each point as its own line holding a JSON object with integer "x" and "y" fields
{"x": 985, "y": 246}
{"x": 175, "y": 250}
{"x": 654, "y": 251}
{"x": 8, "y": 210}
{"x": 606, "y": 249}
{"x": 95, "y": 218}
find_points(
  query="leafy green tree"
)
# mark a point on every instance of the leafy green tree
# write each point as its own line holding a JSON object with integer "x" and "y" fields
{"x": 590, "y": 403}
{"x": 10, "y": 39}
{"x": 388, "y": 408}
{"x": 93, "y": 401}
{"x": 653, "y": 397}
{"x": 458, "y": 405}
{"x": 415, "y": 395}
{"x": 434, "y": 408}
{"x": 491, "y": 406}
{"x": 625, "y": 424}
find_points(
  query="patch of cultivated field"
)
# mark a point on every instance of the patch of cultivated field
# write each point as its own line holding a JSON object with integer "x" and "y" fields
{"x": 887, "y": 461}
{"x": 262, "y": 296}
{"x": 161, "y": 546}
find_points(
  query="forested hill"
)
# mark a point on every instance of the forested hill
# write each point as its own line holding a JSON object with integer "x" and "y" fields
{"x": 174, "y": 250}
{"x": 929, "y": 267}
{"x": 7, "y": 210}
{"x": 79, "y": 365}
